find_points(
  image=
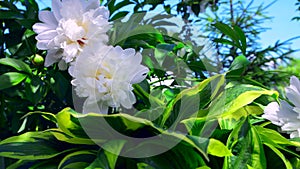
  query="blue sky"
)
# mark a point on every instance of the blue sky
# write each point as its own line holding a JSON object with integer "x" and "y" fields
{"x": 281, "y": 26}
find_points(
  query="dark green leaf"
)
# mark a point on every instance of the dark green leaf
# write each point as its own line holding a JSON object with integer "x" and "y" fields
{"x": 78, "y": 159}
{"x": 10, "y": 79}
{"x": 119, "y": 15}
{"x": 17, "y": 64}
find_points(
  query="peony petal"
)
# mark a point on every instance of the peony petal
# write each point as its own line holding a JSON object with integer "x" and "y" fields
{"x": 129, "y": 101}
{"x": 295, "y": 134}
{"x": 41, "y": 27}
{"x": 51, "y": 58}
{"x": 291, "y": 126}
{"x": 56, "y": 6}
{"x": 71, "y": 69}
{"x": 140, "y": 75}
{"x": 293, "y": 96}
{"x": 48, "y": 17}
{"x": 49, "y": 35}
{"x": 294, "y": 81}
{"x": 72, "y": 9}
{"x": 91, "y": 105}
{"x": 103, "y": 11}
{"x": 271, "y": 113}
{"x": 42, "y": 44}
{"x": 297, "y": 110}
{"x": 128, "y": 53}
{"x": 70, "y": 52}
{"x": 91, "y": 4}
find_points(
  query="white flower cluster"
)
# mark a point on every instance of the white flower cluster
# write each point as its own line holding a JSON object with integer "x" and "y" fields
{"x": 285, "y": 115}
{"x": 74, "y": 35}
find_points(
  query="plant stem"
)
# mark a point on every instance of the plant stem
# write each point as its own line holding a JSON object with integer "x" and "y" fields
{"x": 231, "y": 13}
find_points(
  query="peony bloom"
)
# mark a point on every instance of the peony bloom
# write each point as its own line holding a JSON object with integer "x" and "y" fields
{"x": 285, "y": 115}
{"x": 71, "y": 26}
{"x": 105, "y": 76}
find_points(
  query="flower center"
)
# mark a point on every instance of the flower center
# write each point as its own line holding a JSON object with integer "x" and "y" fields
{"x": 81, "y": 42}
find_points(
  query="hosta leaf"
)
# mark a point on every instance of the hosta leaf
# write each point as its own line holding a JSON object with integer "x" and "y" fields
{"x": 78, "y": 159}
{"x": 287, "y": 163}
{"x": 203, "y": 167}
{"x": 234, "y": 99}
{"x": 217, "y": 148}
{"x": 32, "y": 146}
{"x": 144, "y": 166}
{"x": 106, "y": 159}
{"x": 258, "y": 159}
{"x": 61, "y": 136}
{"x": 178, "y": 157}
{"x": 48, "y": 116}
{"x": 127, "y": 125}
{"x": 245, "y": 144}
{"x": 272, "y": 137}
{"x": 216, "y": 82}
{"x": 194, "y": 125}
{"x": 69, "y": 124}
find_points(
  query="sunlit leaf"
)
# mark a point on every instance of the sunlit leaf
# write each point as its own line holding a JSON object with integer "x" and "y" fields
{"x": 17, "y": 64}
{"x": 11, "y": 79}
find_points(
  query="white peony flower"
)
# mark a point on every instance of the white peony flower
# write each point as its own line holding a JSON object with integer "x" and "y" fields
{"x": 71, "y": 26}
{"x": 105, "y": 76}
{"x": 285, "y": 115}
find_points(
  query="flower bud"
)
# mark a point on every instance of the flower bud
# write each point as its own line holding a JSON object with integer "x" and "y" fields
{"x": 37, "y": 60}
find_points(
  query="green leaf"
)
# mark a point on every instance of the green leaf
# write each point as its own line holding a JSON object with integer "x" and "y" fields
{"x": 48, "y": 116}
{"x": 224, "y": 41}
{"x": 236, "y": 34}
{"x": 119, "y": 15}
{"x": 245, "y": 144}
{"x": 108, "y": 155}
{"x": 74, "y": 125}
{"x": 216, "y": 81}
{"x": 217, "y": 148}
{"x": 194, "y": 125}
{"x": 203, "y": 167}
{"x": 238, "y": 66}
{"x": 287, "y": 163}
{"x": 61, "y": 136}
{"x": 11, "y": 79}
{"x": 17, "y": 64}
{"x": 32, "y": 146}
{"x": 258, "y": 159}
{"x": 227, "y": 30}
{"x": 242, "y": 38}
{"x": 17, "y": 165}
{"x": 8, "y": 14}
{"x": 111, "y": 150}
{"x": 233, "y": 99}
{"x": 78, "y": 159}
{"x": 144, "y": 166}
{"x": 273, "y": 138}
{"x": 35, "y": 90}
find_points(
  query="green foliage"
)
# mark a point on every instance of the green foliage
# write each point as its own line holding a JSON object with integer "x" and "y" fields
{"x": 202, "y": 119}
{"x": 235, "y": 28}
{"x": 69, "y": 145}
{"x": 26, "y": 86}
